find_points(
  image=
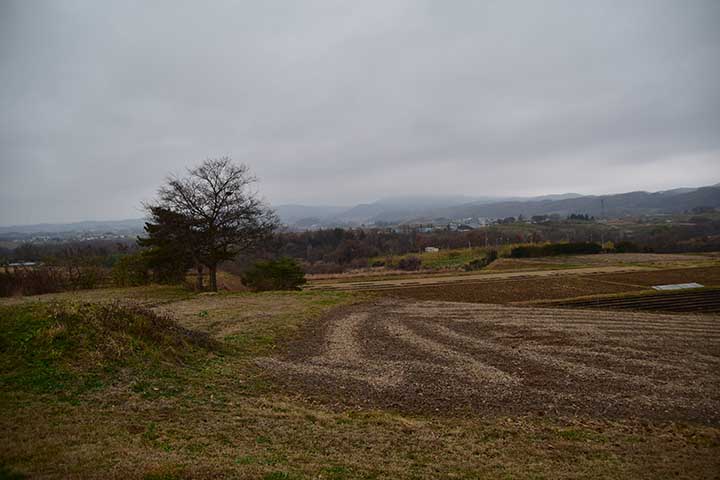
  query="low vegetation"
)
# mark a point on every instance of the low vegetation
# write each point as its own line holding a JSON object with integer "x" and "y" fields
{"x": 453, "y": 259}
{"x": 282, "y": 274}
{"x": 50, "y": 279}
{"x": 154, "y": 398}
{"x": 64, "y": 348}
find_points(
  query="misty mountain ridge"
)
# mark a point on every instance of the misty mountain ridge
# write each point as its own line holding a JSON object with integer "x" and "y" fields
{"x": 408, "y": 209}
{"x": 129, "y": 225}
{"x": 429, "y": 208}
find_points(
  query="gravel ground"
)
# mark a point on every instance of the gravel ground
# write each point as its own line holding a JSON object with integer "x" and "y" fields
{"x": 460, "y": 358}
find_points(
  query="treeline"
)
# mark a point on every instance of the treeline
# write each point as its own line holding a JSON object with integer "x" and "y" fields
{"x": 61, "y": 267}
{"x": 92, "y": 264}
{"x": 102, "y": 253}
{"x": 338, "y": 250}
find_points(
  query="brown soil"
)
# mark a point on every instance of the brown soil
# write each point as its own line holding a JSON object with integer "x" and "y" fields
{"x": 482, "y": 276}
{"x": 547, "y": 288}
{"x": 488, "y": 359}
{"x": 622, "y": 258}
{"x": 708, "y": 276}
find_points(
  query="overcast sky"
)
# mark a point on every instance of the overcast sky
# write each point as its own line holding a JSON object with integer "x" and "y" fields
{"x": 345, "y": 102}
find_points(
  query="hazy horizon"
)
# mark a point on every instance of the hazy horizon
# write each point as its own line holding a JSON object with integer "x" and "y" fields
{"x": 332, "y": 104}
{"x": 141, "y": 214}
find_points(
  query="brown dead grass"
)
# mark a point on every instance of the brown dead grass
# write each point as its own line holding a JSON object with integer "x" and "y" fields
{"x": 230, "y": 421}
{"x": 257, "y": 437}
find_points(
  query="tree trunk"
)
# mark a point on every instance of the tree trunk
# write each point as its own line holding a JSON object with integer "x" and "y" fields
{"x": 199, "y": 279}
{"x": 213, "y": 278}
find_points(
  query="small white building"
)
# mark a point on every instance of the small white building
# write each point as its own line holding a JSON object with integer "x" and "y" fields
{"x": 432, "y": 249}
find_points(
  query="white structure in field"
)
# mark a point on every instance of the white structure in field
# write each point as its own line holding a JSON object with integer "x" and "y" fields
{"x": 432, "y": 249}
{"x": 677, "y": 286}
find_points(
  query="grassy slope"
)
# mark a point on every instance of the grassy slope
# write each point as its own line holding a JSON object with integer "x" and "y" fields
{"x": 213, "y": 415}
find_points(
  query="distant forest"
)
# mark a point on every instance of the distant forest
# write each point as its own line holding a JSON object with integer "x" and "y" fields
{"x": 337, "y": 250}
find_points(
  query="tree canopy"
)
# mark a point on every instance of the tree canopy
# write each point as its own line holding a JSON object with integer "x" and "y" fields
{"x": 210, "y": 215}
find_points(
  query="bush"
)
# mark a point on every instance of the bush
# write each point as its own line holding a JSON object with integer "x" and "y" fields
{"x": 627, "y": 247}
{"x": 49, "y": 279}
{"x": 282, "y": 274}
{"x": 131, "y": 270}
{"x": 410, "y": 263}
{"x": 479, "y": 263}
{"x": 32, "y": 281}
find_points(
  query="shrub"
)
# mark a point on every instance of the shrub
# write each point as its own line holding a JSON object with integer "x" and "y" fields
{"x": 131, "y": 270}
{"x": 479, "y": 263}
{"x": 410, "y": 263}
{"x": 49, "y": 279}
{"x": 627, "y": 247}
{"x": 282, "y": 274}
{"x": 32, "y": 281}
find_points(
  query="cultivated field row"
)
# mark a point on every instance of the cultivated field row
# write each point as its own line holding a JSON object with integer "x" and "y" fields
{"x": 451, "y": 357}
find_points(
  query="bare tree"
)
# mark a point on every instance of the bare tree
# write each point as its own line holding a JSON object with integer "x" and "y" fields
{"x": 224, "y": 216}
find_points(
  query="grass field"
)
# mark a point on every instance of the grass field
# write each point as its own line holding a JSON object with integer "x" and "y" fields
{"x": 444, "y": 259}
{"x": 453, "y": 260}
{"x": 319, "y": 384}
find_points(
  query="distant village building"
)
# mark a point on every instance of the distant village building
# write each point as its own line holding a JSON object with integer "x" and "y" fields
{"x": 432, "y": 249}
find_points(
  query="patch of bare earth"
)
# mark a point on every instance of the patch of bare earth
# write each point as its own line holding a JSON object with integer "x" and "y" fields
{"x": 704, "y": 275}
{"x": 489, "y": 359}
{"x": 621, "y": 258}
{"x": 514, "y": 290}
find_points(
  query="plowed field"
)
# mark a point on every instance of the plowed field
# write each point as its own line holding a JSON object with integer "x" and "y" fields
{"x": 477, "y": 359}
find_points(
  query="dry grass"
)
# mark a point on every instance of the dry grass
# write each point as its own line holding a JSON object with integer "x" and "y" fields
{"x": 231, "y": 421}
{"x": 145, "y": 295}
{"x": 279, "y": 437}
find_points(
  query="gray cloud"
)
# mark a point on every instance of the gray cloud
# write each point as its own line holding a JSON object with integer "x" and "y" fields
{"x": 336, "y": 104}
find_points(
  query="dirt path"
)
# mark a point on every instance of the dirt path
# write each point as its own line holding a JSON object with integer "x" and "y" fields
{"x": 491, "y": 359}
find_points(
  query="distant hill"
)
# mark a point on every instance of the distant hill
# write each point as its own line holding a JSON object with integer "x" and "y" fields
{"x": 133, "y": 225}
{"x": 429, "y": 208}
{"x": 426, "y": 209}
{"x": 291, "y": 214}
{"x": 632, "y": 203}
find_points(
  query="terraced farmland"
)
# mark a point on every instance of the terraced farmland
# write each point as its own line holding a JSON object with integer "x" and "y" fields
{"x": 491, "y": 359}
{"x": 704, "y": 300}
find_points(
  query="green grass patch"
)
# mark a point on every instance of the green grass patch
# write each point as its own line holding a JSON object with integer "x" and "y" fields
{"x": 444, "y": 259}
{"x": 7, "y": 473}
{"x": 70, "y": 349}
